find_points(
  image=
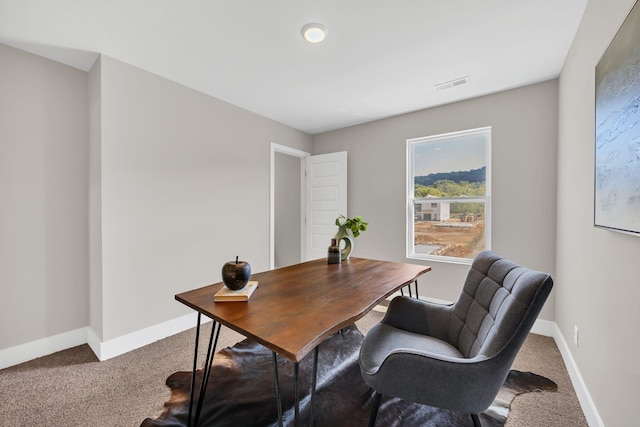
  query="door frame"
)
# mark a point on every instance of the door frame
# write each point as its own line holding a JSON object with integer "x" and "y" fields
{"x": 278, "y": 148}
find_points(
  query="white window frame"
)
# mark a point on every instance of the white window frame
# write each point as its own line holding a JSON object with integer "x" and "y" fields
{"x": 411, "y": 200}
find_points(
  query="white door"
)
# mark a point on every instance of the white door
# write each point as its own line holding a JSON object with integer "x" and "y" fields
{"x": 326, "y": 199}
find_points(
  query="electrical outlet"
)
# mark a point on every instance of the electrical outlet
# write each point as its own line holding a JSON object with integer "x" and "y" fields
{"x": 575, "y": 335}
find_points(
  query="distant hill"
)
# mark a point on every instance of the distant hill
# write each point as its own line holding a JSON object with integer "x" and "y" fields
{"x": 474, "y": 175}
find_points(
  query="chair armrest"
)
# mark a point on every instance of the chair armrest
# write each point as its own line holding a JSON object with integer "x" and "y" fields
{"x": 418, "y": 316}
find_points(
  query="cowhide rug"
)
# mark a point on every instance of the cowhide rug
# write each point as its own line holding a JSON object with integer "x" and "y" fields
{"x": 240, "y": 392}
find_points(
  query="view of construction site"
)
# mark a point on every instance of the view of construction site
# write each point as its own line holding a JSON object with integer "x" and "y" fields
{"x": 447, "y": 232}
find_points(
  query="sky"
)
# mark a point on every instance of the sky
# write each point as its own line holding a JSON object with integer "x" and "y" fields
{"x": 459, "y": 153}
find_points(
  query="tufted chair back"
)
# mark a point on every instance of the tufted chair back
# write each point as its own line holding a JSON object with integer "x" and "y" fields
{"x": 493, "y": 302}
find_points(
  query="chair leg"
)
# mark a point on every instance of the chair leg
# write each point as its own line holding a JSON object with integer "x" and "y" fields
{"x": 374, "y": 409}
{"x": 476, "y": 420}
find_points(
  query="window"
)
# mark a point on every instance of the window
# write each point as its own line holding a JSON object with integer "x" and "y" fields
{"x": 448, "y": 189}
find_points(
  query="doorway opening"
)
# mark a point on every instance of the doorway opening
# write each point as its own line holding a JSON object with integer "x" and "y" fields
{"x": 287, "y": 206}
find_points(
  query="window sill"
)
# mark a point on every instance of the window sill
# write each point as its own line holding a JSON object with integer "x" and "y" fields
{"x": 437, "y": 258}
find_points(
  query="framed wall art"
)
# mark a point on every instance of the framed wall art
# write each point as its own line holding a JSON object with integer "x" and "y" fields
{"x": 617, "y": 130}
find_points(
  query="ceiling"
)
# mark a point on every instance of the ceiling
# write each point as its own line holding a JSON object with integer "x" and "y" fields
{"x": 381, "y": 58}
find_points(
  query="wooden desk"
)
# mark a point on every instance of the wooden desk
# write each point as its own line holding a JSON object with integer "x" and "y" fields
{"x": 296, "y": 308}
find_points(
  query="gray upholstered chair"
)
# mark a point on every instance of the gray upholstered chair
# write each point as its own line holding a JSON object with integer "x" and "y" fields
{"x": 455, "y": 356}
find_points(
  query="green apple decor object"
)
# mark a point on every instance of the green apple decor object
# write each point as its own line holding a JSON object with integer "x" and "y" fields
{"x": 235, "y": 275}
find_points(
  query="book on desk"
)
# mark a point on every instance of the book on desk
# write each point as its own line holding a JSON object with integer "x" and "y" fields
{"x": 226, "y": 294}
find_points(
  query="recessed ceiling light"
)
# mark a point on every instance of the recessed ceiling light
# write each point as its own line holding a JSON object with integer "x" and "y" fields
{"x": 314, "y": 33}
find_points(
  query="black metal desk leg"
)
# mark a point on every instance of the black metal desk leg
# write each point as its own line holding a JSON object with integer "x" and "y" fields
{"x": 296, "y": 368}
{"x": 207, "y": 369}
{"x": 195, "y": 367}
{"x": 277, "y": 385}
{"x": 410, "y": 293}
{"x": 313, "y": 384}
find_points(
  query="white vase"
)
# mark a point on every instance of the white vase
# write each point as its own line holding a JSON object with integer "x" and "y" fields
{"x": 343, "y": 235}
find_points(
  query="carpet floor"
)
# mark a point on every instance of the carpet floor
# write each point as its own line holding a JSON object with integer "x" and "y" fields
{"x": 72, "y": 388}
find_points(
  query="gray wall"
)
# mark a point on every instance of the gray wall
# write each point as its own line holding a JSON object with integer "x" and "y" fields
{"x": 597, "y": 269}
{"x": 171, "y": 191}
{"x": 119, "y": 190}
{"x": 43, "y": 198}
{"x": 184, "y": 188}
{"x": 524, "y": 142}
{"x": 287, "y": 210}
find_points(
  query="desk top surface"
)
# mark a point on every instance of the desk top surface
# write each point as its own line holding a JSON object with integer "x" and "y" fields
{"x": 295, "y": 308}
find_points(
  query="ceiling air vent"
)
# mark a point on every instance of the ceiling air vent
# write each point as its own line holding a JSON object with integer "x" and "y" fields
{"x": 452, "y": 83}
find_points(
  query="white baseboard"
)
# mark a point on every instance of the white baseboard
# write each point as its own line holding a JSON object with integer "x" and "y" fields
{"x": 588, "y": 407}
{"x": 94, "y": 342}
{"x": 32, "y": 350}
{"x": 125, "y": 343}
{"x": 103, "y": 350}
{"x": 550, "y": 329}
{"x": 544, "y": 327}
